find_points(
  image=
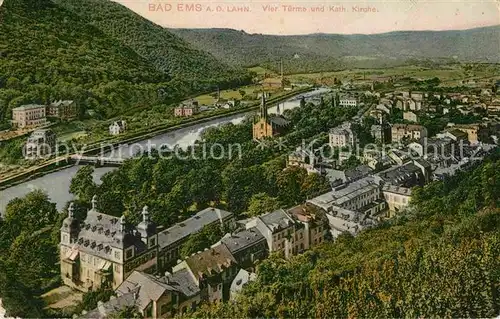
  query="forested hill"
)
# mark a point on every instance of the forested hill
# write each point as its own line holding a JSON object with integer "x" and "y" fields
{"x": 49, "y": 52}
{"x": 165, "y": 51}
{"x": 321, "y": 52}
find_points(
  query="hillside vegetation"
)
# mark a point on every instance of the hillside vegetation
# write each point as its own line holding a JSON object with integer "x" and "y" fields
{"x": 161, "y": 48}
{"x": 440, "y": 259}
{"x": 326, "y": 52}
{"x": 48, "y": 52}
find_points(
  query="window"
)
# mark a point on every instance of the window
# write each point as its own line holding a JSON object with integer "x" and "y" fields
{"x": 129, "y": 253}
{"x": 117, "y": 254}
{"x": 174, "y": 299}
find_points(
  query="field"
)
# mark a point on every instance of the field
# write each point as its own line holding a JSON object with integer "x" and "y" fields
{"x": 449, "y": 75}
{"x": 260, "y": 71}
{"x": 209, "y": 99}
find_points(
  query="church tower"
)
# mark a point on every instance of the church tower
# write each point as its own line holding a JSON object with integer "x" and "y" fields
{"x": 263, "y": 106}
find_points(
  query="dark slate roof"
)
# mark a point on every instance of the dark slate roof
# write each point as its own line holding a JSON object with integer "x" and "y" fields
{"x": 100, "y": 231}
{"x": 279, "y": 121}
{"x": 243, "y": 239}
{"x": 277, "y": 219}
{"x": 61, "y": 102}
{"x": 191, "y": 225}
{"x": 400, "y": 173}
{"x": 183, "y": 282}
{"x": 149, "y": 288}
{"x": 112, "y": 306}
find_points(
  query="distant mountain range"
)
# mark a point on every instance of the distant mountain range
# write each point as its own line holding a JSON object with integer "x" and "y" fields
{"x": 327, "y": 51}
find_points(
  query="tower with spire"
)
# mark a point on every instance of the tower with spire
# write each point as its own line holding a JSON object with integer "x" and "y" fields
{"x": 266, "y": 125}
{"x": 263, "y": 106}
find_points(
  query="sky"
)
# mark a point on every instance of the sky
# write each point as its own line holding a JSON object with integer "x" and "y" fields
{"x": 298, "y": 17}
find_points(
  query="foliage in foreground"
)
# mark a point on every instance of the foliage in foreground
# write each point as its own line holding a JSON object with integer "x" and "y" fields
{"x": 441, "y": 259}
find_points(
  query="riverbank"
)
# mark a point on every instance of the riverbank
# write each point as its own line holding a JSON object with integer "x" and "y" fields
{"x": 62, "y": 162}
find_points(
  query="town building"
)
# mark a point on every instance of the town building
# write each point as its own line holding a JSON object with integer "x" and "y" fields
{"x": 63, "y": 110}
{"x": 348, "y": 101}
{"x": 27, "y": 116}
{"x": 337, "y": 177}
{"x": 397, "y": 198}
{"x": 118, "y": 127}
{"x": 410, "y": 174}
{"x": 475, "y": 132}
{"x": 303, "y": 158}
{"x": 272, "y": 83}
{"x": 240, "y": 281}
{"x": 268, "y": 125}
{"x": 363, "y": 196}
{"x": 40, "y": 144}
{"x": 160, "y": 297}
{"x": 152, "y": 296}
{"x": 105, "y": 249}
{"x": 187, "y": 109}
{"x": 247, "y": 246}
{"x": 213, "y": 271}
{"x": 408, "y": 132}
{"x": 315, "y": 224}
{"x": 170, "y": 240}
{"x": 283, "y": 234}
{"x": 455, "y": 134}
{"x": 342, "y": 136}
{"x": 410, "y": 116}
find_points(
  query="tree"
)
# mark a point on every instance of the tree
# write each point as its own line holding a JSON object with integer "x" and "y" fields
{"x": 289, "y": 183}
{"x": 261, "y": 203}
{"x": 314, "y": 185}
{"x": 91, "y": 298}
{"x": 351, "y": 162}
{"x": 208, "y": 236}
{"x": 30, "y": 213}
{"x": 83, "y": 185}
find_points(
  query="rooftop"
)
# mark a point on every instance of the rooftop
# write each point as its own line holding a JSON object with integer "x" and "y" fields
{"x": 396, "y": 189}
{"x": 344, "y": 193}
{"x": 242, "y": 239}
{"x": 115, "y": 304}
{"x": 28, "y": 107}
{"x": 191, "y": 225}
{"x": 148, "y": 288}
{"x": 212, "y": 261}
{"x": 278, "y": 219}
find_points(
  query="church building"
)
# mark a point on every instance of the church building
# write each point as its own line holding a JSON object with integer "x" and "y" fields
{"x": 268, "y": 126}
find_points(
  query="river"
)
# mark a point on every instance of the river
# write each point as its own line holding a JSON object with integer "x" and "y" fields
{"x": 56, "y": 184}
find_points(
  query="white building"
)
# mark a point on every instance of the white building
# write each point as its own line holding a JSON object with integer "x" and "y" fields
{"x": 342, "y": 136}
{"x": 117, "y": 127}
{"x": 348, "y": 101}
